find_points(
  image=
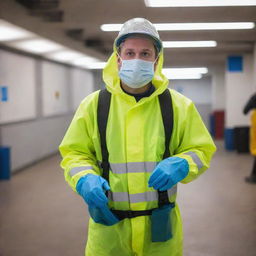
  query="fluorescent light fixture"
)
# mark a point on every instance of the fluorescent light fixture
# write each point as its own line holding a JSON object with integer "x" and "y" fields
{"x": 111, "y": 27}
{"x": 38, "y": 46}
{"x": 189, "y": 26}
{"x": 10, "y": 32}
{"x": 96, "y": 65}
{"x": 198, "y": 3}
{"x": 204, "y": 26}
{"x": 184, "y": 76}
{"x": 31, "y": 42}
{"x": 84, "y": 61}
{"x": 72, "y": 57}
{"x": 184, "y": 73}
{"x": 188, "y": 44}
{"x": 65, "y": 55}
{"x": 200, "y": 70}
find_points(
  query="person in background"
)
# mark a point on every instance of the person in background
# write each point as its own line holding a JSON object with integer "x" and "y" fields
{"x": 130, "y": 184}
{"x": 251, "y": 106}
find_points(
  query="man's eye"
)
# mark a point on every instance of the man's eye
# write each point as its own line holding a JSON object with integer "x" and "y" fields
{"x": 129, "y": 53}
{"x": 145, "y": 54}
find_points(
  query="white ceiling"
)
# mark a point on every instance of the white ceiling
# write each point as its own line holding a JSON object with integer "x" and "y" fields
{"x": 86, "y": 16}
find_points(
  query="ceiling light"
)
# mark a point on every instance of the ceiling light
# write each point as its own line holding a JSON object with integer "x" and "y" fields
{"x": 72, "y": 57}
{"x": 204, "y": 26}
{"x": 111, "y": 27}
{"x": 189, "y": 26}
{"x": 184, "y": 76}
{"x": 10, "y": 32}
{"x": 65, "y": 55}
{"x": 37, "y": 45}
{"x": 198, "y": 3}
{"x": 200, "y": 70}
{"x": 184, "y": 73}
{"x": 97, "y": 65}
{"x": 186, "y": 44}
{"x": 30, "y": 42}
{"x": 84, "y": 61}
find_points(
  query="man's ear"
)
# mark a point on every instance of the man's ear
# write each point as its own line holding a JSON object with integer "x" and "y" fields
{"x": 156, "y": 62}
{"x": 119, "y": 61}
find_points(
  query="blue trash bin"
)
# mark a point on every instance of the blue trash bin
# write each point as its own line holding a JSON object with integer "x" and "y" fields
{"x": 212, "y": 125}
{"x": 5, "y": 163}
{"x": 229, "y": 139}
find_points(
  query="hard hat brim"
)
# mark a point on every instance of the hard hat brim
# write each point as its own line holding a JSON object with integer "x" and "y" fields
{"x": 122, "y": 38}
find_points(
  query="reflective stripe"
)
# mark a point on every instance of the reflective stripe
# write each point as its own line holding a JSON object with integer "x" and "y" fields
{"x": 132, "y": 167}
{"x": 78, "y": 169}
{"x": 138, "y": 198}
{"x": 195, "y": 158}
{"x": 118, "y": 168}
{"x": 141, "y": 166}
{"x": 118, "y": 196}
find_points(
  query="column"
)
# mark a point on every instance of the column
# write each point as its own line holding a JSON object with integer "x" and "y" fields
{"x": 239, "y": 87}
{"x": 218, "y": 101}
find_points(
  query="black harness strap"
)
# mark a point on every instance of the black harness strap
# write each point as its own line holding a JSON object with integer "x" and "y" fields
{"x": 102, "y": 118}
{"x": 165, "y": 102}
{"x": 132, "y": 214}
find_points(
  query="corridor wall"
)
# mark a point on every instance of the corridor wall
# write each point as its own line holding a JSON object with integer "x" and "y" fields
{"x": 17, "y": 75}
{"x": 199, "y": 91}
{"x": 56, "y": 89}
{"x": 83, "y": 83}
{"x": 42, "y": 97}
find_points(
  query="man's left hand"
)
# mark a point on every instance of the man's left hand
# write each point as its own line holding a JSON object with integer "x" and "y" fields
{"x": 168, "y": 173}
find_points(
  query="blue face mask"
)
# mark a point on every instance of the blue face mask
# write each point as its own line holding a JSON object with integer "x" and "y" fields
{"x": 136, "y": 73}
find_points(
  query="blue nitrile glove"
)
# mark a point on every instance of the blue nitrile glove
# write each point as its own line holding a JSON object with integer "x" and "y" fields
{"x": 92, "y": 188}
{"x": 103, "y": 215}
{"x": 168, "y": 173}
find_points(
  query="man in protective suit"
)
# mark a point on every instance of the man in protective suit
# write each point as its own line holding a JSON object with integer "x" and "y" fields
{"x": 129, "y": 146}
{"x": 251, "y": 106}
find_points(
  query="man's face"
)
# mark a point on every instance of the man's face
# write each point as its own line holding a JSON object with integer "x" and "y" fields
{"x": 137, "y": 48}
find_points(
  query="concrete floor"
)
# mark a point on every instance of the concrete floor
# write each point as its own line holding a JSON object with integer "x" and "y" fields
{"x": 41, "y": 216}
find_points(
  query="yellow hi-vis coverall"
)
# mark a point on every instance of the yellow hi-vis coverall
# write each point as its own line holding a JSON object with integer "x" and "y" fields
{"x": 253, "y": 133}
{"x": 136, "y": 143}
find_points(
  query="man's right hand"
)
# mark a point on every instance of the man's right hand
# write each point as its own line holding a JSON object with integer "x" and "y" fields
{"x": 92, "y": 188}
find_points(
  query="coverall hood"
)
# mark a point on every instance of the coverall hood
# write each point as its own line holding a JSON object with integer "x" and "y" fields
{"x": 112, "y": 80}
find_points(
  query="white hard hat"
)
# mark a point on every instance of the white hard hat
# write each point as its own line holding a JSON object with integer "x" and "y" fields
{"x": 137, "y": 26}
